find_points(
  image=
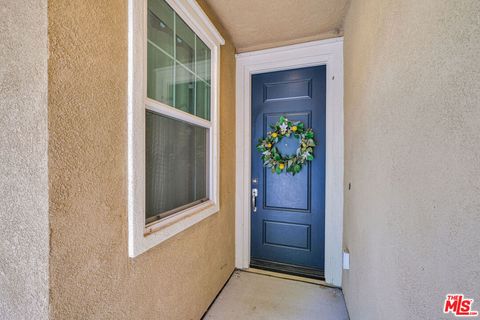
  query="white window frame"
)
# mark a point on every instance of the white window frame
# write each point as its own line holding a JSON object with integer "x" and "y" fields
{"x": 140, "y": 237}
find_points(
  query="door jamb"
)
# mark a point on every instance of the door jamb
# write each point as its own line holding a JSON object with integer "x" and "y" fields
{"x": 324, "y": 52}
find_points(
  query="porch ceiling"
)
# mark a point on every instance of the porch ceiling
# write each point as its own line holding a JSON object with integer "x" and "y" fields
{"x": 255, "y": 24}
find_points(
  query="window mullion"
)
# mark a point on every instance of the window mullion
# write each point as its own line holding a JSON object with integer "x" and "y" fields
{"x": 195, "y": 78}
{"x": 174, "y": 57}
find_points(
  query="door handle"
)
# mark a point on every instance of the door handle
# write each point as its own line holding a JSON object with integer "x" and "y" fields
{"x": 254, "y": 199}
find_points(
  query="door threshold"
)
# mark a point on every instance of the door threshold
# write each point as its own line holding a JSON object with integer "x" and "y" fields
{"x": 287, "y": 269}
{"x": 288, "y": 277}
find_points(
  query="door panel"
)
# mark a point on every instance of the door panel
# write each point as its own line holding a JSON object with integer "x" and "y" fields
{"x": 296, "y": 89}
{"x": 289, "y": 224}
{"x": 290, "y": 235}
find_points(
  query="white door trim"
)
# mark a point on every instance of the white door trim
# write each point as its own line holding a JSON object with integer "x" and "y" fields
{"x": 324, "y": 52}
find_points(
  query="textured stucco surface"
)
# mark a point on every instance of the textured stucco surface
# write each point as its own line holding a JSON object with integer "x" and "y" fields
{"x": 412, "y": 128}
{"x": 91, "y": 274}
{"x": 23, "y": 160}
{"x": 256, "y": 25}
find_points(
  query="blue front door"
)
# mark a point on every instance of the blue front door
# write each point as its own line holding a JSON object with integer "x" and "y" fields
{"x": 288, "y": 223}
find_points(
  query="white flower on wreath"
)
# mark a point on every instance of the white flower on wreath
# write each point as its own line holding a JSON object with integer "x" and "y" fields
{"x": 305, "y": 155}
{"x": 266, "y": 152}
{"x": 283, "y": 128}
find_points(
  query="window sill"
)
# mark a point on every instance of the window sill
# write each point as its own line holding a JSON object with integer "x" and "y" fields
{"x": 180, "y": 221}
{"x": 155, "y": 233}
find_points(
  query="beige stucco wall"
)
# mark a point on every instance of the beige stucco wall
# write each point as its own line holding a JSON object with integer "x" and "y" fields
{"x": 91, "y": 274}
{"x": 23, "y": 160}
{"x": 412, "y": 156}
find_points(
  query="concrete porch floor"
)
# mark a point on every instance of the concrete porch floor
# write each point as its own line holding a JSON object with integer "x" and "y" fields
{"x": 258, "y": 297}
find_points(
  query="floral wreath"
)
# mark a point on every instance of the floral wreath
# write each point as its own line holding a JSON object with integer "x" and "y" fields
{"x": 273, "y": 159}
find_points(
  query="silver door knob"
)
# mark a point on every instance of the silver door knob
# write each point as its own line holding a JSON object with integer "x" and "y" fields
{"x": 254, "y": 199}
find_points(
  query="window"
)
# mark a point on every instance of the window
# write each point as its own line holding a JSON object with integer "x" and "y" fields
{"x": 173, "y": 119}
{"x": 178, "y": 68}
